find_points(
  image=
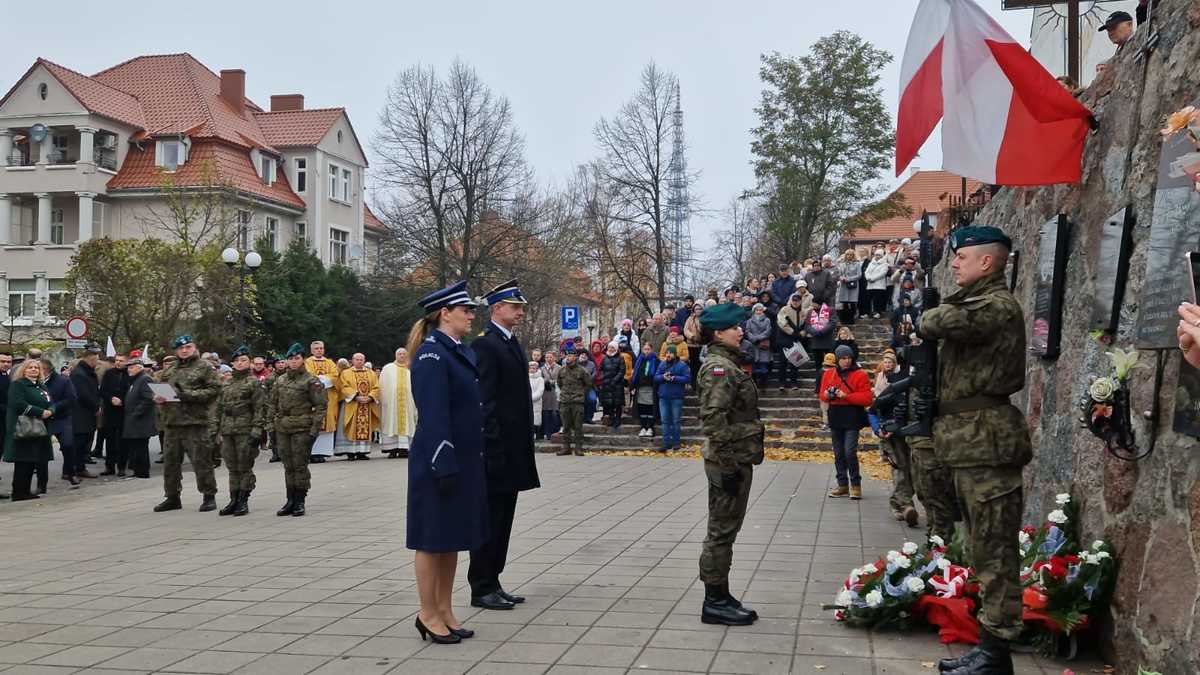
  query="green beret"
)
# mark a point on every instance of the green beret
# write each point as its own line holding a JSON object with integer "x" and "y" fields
{"x": 975, "y": 235}
{"x": 242, "y": 350}
{"x": 296, "y": 349}
{"x": 720, "y": 317}
{"x": 181, "y": 341}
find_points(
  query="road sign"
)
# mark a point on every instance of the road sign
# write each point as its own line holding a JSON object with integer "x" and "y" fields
{"x": 77, "y": 327}
{"x": 569, "y": 321}
{"x": 76, "y": 343}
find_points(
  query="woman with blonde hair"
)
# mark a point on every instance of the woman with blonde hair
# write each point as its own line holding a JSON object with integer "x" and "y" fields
{"x": 848, "y": 272}
{"x": 27, "y": 439}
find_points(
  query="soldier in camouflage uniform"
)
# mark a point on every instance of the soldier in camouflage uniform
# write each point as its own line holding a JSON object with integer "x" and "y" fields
{"x": 241, "y": 416}
{"x": 573, "y": 385}
{"x": 296, "y": 411}
{"x": 980, "y": 435}
{"x": 934, "y": 485}
{"x": 187, "y": 425}
{"x": 729, "y": 415}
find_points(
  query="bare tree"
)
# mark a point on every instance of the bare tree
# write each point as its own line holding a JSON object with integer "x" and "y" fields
{"x": 738, "y": 243}
{"x": 198, "y": 215}
{"x": 636, "y": 148}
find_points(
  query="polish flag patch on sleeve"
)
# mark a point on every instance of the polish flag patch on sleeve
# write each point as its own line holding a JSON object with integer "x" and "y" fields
{"x": 718, "y": 371}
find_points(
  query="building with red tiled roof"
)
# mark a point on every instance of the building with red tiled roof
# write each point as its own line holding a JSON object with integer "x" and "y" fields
{"x": 923, "y": 191}
{"x": 85, "y": 156}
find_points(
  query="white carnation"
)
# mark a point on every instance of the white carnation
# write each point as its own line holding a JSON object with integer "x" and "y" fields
{"x": 844, "y": 598}
{"x": 874, "y": 598}
{"x": 1057, "y": 516}
{"x": 903, "y": 562}
{"x": 914, "y": 584}
{"x": 943, "y": 563}
{"x": 909, "y": 548}
{"x": 1062, "y": 499}
{"x": 937, "y": 541}
{"x": 1097, "y": 545}
{"x": 869, "y": 568}
{"x": 1103, "y": 554}
{"x": 1023, "y": 537}
{"x": 892, "y": 555}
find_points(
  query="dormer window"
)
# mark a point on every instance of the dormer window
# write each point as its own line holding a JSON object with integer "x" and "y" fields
{"x": 267, "y": 169}
{"x": 170, "y": 154}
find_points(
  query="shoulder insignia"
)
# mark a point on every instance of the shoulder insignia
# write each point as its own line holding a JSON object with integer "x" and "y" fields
{"x": 430, "y": 339}
{"x": 430, "y": 355}
{"x": 718, "y": 371}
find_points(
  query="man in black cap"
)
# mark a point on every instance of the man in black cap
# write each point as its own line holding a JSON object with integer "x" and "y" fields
{"x": 86, "y": 410}
{"x": 507, "y": 437}
{"x": 1119, "y": 27}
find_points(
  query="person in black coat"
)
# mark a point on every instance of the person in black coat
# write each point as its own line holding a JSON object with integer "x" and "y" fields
{"x": 87, "y": 408}
{"x": 447, "y": 493}
{"x": 62, "y": 395}
{"x": 139, "y": 419}
{"x": 113, "y": 387}
{"x": 5, "y": 366}
{"x": 508, "y": 440}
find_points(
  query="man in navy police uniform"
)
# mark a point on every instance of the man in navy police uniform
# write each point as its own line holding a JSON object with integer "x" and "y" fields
{"x": 507, "y": 440}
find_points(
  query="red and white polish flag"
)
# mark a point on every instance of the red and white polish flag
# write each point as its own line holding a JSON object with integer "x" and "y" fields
{"x": 1005, "y": 119}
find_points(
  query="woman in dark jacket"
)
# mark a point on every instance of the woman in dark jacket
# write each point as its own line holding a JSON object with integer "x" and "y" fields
{"x": 820, "y": 329}
{"x": 27, "y": 397}
{"x": 612, "y": 386}
{"x": 140, "y": 421}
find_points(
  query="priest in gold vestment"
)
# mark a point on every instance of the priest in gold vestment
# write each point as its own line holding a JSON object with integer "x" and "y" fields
{"x": 359, "y": 389}
{"x": 398, "y": 409}
{"x": 325, "y": 370}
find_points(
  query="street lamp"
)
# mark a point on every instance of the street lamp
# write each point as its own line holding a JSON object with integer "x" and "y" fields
{"x": 591, "y": 325}
{"x": 246, "y": 265}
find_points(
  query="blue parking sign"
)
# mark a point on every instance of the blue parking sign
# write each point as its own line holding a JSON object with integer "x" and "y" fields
{"x": 569, "y": 321}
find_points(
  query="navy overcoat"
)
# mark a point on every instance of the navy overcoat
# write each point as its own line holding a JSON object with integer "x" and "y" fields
{"x": 448, "y": 442}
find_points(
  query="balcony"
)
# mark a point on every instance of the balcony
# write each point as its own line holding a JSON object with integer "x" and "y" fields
{"x": 66, "y": 158}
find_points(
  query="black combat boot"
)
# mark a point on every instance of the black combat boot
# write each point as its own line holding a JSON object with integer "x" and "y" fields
{"x": 290, "y": 505}
{"x": 725, "y": 588}
{"x": 991, "y": 657}
{"x": 169, "y": 504}
{"x": 209, "y": 503}
{"x": 228, "y": 509}
{"x": 298, "y": 508}
{"x": 243, "y": 505}
{"x": 719, "y": 608}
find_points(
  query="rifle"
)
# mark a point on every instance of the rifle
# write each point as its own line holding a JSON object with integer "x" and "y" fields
{"x": 923, "y": 356}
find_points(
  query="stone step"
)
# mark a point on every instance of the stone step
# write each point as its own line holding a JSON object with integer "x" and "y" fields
{"x": 617, "y": 443}
{"x": 790, "y": 429}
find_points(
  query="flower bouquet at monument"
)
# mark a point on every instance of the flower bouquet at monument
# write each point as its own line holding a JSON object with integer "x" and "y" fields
{"x": 1105, "y": 405}
{"x": 1187, "y": 122}
{"x": 883, "y": 594}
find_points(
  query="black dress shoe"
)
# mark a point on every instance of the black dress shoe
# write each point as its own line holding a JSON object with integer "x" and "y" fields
{"x": 514, "y": 599}
{"x": 463, "y": 633}
{"x": 492, "y": 601}
{"x": 450, "y": 638}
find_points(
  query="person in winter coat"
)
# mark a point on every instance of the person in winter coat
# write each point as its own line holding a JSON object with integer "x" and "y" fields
{"x": 672, "y": 377}
{"x": 847, "y": 390}
{"x": 674, "y": 339}
{"x": 629, "y": 334}
{"x": 551, "y": 420}
{"x": 85, "y": 413}
{"x": 27, "y": 397}
{"x": 790, "y": 324}
{"x": 845, "y": 336}
{"x": 864, "y": 259}
{"x": 759, "y": 330}
{"x": 62, "y": 394}
{"x": 877, "y": 277}
{"x": 140, "y": 421}
{"x": 908, "y": 270}
{"x": 904, "y": 322}
{"x": 821, "y": 282}
{"x": 585, "y": 361}
{"x": 612, "y": 386}
{"x": 597, "y": 355}
{"x": 783, "y": 285}
{"x": 691, "y": 336}
{"x": 820, "y": 329}
{"x": 848, "y": 271}
{"x": 537, "y": 390}
{"x": 642, "y": 385}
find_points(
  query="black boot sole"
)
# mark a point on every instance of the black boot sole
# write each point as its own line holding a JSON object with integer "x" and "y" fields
{"x": 717, "y": 621}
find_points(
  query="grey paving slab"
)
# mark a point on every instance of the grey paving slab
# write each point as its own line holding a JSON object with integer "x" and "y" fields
{"x": 605, "y": 553}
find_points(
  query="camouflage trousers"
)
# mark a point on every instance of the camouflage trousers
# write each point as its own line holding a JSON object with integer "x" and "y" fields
{"x": 725, "y": 516}
{"x": 934, "y": 485}
{"x": 572, "y": 423}
{"x": 993, "y": 500}
{"x": 294, "y": 449}
{"x": 902, "y": 479}
{"x": 239, "y": 452}
{"x": 195, "y": 443}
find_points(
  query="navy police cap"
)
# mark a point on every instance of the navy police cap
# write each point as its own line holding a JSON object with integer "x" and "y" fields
{"x": 454, "y": 294}
{"x": 505, "y": 292}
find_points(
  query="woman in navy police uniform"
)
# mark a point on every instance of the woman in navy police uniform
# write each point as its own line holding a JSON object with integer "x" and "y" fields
{"x": 447, "y": 497}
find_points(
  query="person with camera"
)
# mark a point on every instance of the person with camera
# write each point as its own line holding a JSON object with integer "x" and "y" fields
{"x": 847, "y": 390}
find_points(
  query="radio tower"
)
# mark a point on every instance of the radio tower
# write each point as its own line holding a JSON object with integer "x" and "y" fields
{"x": 677, "y": 206}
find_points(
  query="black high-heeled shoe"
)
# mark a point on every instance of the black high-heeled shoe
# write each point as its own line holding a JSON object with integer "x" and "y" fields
{"x": 450, "y": 638}
{"x": 463, "y": 633}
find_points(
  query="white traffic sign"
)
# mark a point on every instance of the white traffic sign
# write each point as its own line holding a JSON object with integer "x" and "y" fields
{"x": 77, "y": 327}
{"x": 76, "y": 343}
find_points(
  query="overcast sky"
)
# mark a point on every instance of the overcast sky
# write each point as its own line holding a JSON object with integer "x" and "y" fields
{"x": 562, "y": 64}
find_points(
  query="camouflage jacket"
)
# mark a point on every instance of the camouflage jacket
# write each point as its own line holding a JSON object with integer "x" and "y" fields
{"x": 197, "y": 386}
{"x": 241, "y": 408}
{"x": 729, "y": 410}
{"x": 981, "y": 353}
{"x": 297, "y": 403}
{"x": 573, "y": 384}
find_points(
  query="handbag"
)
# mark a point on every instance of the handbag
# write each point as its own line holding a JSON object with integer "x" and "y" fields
{"x": 796, "y": 355}
{"x": 29, "y": 428}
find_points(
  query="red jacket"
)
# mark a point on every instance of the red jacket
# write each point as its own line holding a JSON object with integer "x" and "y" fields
{"x": 848, "y": 411}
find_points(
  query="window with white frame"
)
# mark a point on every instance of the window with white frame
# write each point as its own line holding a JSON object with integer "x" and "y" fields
{"x": 170, "y": 154}
{"x": 267, "y": 169}
{"x": 99, "y": 221}
{"x": 56, "y": 226}
{"x": 339, "y": 246}
{"x": 59, "y": 154}
{"x": 61, "y": 303}
{"x": 346, "y": 185}
{"x": 243, "y": 231}
{"x": 271, "y": 233}
{"x": 302, "y": 233}
{"x": 334, "y": 173}
{"x": 22, "y": 294}
{"x": 301, "y": 175}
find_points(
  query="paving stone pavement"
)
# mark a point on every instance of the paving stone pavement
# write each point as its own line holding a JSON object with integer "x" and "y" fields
{"x": 605, "y": 552}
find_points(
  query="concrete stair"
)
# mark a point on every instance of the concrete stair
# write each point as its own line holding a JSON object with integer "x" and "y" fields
{"x": 792, "y": 417}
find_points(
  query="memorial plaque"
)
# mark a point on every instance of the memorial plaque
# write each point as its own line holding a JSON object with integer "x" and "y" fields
{"x": 1187, "y": 401}
{"x": 1112, "y": 269}
{"x": 1051, "y": 280}
{"x": 1174, "y": 230}
{"x": 1014, "y": 269}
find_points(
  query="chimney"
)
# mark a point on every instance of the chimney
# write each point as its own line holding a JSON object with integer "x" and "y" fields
{"x": 233, "y": 87}
{"x": 285, "y": 102}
